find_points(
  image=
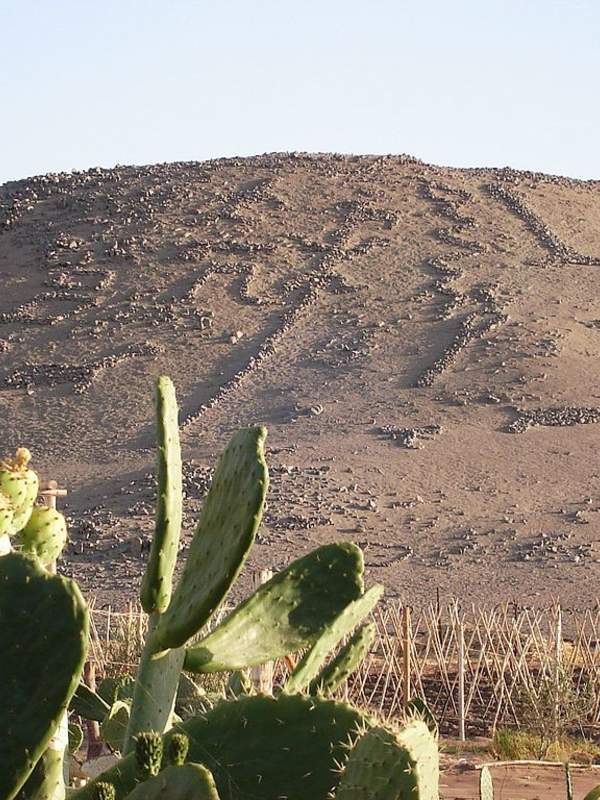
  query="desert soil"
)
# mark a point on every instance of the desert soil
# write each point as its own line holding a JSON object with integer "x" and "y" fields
{"x": 422, "y": 343}
{"x": 517, "y": 783}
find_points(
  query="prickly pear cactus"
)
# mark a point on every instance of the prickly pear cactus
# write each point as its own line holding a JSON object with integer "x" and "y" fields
{"x": 158, "y": 578}
{"x": 7, "y": 513}
{"x": 148, "y": 754}
{"x": 46, "y": 782}
{"x": 89, "y": 705}
{"x": 239, "y": 683}
{"x": 75, "y": 737}
{"x": 20, "y": 485}
{"x": 177, "y": 749}
{"x": 417, "y": 708}
{"x": 114, "y": 688}
{"x": 345, "y": 662}
{"x": 593, "y": 794}
{"x": 187, "y": 782}
{"x": 44, "y": 535}
{"x": 44, "y": 624}
{"x": 486, "y": 787}
{"x": 569, "y": 781}
{"x": 350, "y": 616}
{"x": 104, "y": 791}
{"x": 261, "y": 747}
{"x": 114, "y": 725}
{"x": 229, "y": 520}
{"x": 287, "y": 613}
{"x": 230, "y": 517}
{"x": 388, "y": 765}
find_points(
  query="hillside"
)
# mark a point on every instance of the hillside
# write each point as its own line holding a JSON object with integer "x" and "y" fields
{"x": 423, "y": 344}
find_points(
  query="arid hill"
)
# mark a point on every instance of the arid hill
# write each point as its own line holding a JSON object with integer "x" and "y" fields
{"x": 423, "y": 344}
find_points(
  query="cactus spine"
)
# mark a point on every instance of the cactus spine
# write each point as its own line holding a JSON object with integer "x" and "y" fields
{"x": 417, "y": 708}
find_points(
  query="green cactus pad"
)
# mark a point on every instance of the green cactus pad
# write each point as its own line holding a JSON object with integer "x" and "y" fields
{"x": 148, "y": 754}
{"x": 593, "y": 794}
{"x": 310, "y": 664}
{"x": 385, "y": 765}
{"x": 486, "y": 786}
{"x": 187, "y": 782}
{"x": 45, "y": 534}
{"x": 37, "y": 677}
{"x": 75, "y": 737}
{"x": 347, "y": 661}
{"x": 114, "y": 725}
{"x": 7, "y": 514}
{"x": 230, "y": 517}
{"x": 261, "y": 747}
{"x": 87, "y": 704}
{"x": 155, "y": 690}
{"x": 20, "y": 485}
{"x": 46, "y": 782}
{"x": 285, "y": 614}
{"x": 115, "y": 688}
{"x": 191, "y": 698}
{"x": 158, "y": 578}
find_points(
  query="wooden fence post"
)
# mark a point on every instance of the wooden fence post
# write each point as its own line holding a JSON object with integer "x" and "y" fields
{"x": 461, "y": 679}
{"x": 49, "y": 493}
{"x": 94, "y": 747}
{"x": 557, "y": 670}
{"x": 262, "y": 675}
{"x": 406, "y": 648}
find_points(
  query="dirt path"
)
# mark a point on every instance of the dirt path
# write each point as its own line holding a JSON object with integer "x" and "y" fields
{"x": 517, "y": 783}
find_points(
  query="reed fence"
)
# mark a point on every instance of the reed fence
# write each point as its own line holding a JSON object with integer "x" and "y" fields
{"x": 477, "y": 669}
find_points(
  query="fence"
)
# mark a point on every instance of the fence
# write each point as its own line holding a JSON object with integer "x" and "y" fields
{"x": 477, "y": 669}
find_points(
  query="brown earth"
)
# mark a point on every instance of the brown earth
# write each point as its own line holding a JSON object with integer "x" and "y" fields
{"x": 422, "y": 343}
{"x": 513, "y": 782}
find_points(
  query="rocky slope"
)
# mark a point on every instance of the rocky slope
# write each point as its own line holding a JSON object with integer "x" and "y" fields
{"x": 422, "y": 343}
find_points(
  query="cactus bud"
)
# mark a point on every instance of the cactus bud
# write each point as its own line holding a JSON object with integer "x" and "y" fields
{"x": 148, "y": 754}
{"x": 178, "y": 749}
{"x": 105, "y": 791}
{"x": 20, "y": 485}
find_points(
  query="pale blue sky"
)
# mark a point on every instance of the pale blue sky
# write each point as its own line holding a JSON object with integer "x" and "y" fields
{"x": 458, "y": 82}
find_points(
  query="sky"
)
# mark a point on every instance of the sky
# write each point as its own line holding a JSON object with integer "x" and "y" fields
{"x": 454, "y": 82}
